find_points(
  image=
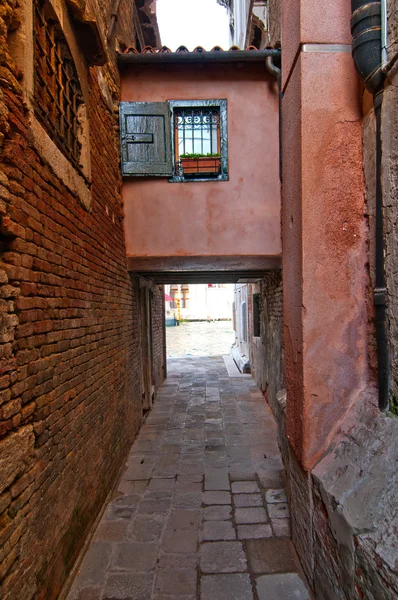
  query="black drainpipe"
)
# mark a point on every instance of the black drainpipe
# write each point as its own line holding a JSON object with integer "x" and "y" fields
{"x": 366, "y": 51}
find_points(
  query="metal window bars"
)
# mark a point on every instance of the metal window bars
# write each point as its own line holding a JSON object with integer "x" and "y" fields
{"x": 197, "y": 131}
{"x": 57, "y": 89}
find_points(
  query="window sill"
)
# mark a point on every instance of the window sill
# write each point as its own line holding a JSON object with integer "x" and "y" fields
{"x": 181, "y": 179}
{"x": 76, "y": 183}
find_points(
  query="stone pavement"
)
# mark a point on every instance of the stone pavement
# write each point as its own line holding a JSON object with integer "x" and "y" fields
{"x": 200, "y": 510}
{"x": 200, "y": 339}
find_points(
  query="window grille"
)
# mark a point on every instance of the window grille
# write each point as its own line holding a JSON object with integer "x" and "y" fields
{"x": 199, "y": 140}
{"x": 197, "y": 131}
{"x": 57, "y": 90}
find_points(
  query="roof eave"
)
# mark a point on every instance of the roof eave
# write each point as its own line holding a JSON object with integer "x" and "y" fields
{"x": 238, "y": 56}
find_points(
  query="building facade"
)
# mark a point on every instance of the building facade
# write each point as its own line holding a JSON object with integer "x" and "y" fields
{"x": 317, "y": 353}
{"x": 248, "y": 22}
{"x": 73, "y": 386}
{"x": 200, "y": 302}
{"x": 83, "y": 262}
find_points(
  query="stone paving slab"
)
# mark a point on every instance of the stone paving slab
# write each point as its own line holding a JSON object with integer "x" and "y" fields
{"x": 200, "y": 512}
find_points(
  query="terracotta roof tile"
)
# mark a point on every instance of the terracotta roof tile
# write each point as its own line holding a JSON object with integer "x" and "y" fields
{"x": 131, "y": 50}
{"x": 184, "y": 49}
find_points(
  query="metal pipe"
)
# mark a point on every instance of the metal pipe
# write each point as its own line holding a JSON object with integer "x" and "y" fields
{"x": 132, "y": 58}
{"x": 380, "y": 291}
{"x": 276, "y": 71}
{"x": 384, "y": 35}
{"x": 272, "y": 68}
{"x": 366, "y": 42}
{"x": 369, "y": 30}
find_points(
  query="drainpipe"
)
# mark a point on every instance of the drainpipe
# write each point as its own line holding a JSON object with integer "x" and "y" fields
{"x": 276, "y": 71}
{"x": 387, "y": 65}
{"x": 369, "y": 50}
{"x": 272, "y": 68}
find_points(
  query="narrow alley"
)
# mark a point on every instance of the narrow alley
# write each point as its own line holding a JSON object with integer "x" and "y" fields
{"x": 200, "y": 510}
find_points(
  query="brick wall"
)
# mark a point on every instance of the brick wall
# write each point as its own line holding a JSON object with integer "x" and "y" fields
{"x": 390, "y": 190}
{"x": 266, "y": 354}
{"x": 70, "y": 398}
{"x": 343, "y": 511}
{"x": 158, "y": 316}
{"x": 274, "y": 21}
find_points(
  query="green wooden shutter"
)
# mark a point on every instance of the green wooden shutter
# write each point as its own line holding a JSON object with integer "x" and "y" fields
{"x": 145, "y": 136}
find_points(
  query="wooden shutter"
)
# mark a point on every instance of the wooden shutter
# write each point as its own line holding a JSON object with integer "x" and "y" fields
{"x": 145, "y": 139}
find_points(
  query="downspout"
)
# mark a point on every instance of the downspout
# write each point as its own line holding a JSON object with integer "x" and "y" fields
{"x": 384, "y": 34}
{"x": 369, "y": 50}
{"x": 276, "y": 71}
{"x": 387, "y": 65}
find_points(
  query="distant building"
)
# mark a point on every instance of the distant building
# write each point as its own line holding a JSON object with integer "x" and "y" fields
{"x": 248, "y": 22}
{"x": 200, "y": 302}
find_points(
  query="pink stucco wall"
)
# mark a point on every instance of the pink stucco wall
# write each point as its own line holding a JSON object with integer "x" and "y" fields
{"x": 324, "y": 236}
{"x": 239, "y": 217}
{"x": 312, "y": 22}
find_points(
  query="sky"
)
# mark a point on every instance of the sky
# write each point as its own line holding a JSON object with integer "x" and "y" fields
{"x": 193, "y": 23}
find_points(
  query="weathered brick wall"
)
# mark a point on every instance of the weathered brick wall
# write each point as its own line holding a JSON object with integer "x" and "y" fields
{"x": 70, "y": 399}
{"x": 390, "y": 191}
{"x": 266, "y": 352}
{"x": 344, "y": 515}
{"x": 274, "y": 22}
{"x": 158, "y": 335}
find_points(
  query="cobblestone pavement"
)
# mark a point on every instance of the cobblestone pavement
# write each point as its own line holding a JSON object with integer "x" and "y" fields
{"x": 200, "y": 339}
{"x": 200, "y": 510}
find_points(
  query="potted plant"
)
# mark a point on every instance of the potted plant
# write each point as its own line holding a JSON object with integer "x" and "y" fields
{"x": 205, "y": 164}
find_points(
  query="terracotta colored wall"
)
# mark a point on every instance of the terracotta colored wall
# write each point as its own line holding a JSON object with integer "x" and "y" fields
{"x": 324, "y": 243}
{"x": 237, "y": 217}
{"x": 324, "y": 248}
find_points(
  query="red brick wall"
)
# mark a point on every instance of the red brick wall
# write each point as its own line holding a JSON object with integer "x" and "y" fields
{"x": 158, "y": 335}
{"x": 266, "y": 352}
{"x": 70, "y": 403}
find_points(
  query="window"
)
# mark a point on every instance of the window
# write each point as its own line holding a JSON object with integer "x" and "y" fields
{"x": 185, "y": 140}
{"x": 256, "y": 315}
{"x": 58, "y": 96}
{"x": 185, "y": 296}
{"x": 243, "y": 321}
{"x": 199, "y": 140}
{"x": 173, "y": 294}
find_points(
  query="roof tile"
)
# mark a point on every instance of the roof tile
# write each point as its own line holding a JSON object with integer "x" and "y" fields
{"x": 184, "y": 49}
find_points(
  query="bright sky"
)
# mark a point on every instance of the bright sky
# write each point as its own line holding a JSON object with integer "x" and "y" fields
{"x": 193, "y": 23}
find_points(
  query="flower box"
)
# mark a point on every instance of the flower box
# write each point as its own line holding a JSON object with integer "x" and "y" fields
{"x": 204, "y": 165}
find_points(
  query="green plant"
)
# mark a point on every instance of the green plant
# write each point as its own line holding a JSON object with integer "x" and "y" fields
{"x": 394, "y": 410}
{"x": 209, "y": 155}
